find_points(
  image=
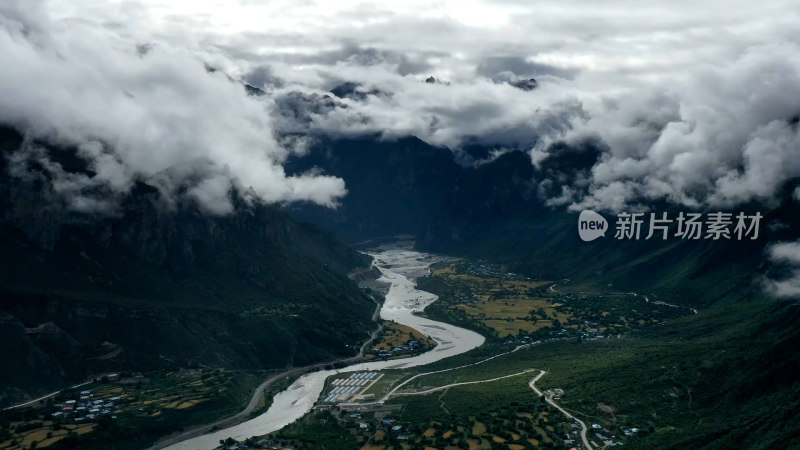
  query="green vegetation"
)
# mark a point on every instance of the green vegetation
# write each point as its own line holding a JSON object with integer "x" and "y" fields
{"x": 144, "y": 409}
{"x": 384, "y": 384}
{"x": 160, "y": 286}
{"x": 650, "y": 376}
{"x": 503, "y": 414}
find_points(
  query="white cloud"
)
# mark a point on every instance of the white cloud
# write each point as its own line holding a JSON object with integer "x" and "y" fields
{"x": 692, "y": 99}
{"x": 722, "y": 137}
{"x": 786, "y": 253}
{"x": 135, "y": 115}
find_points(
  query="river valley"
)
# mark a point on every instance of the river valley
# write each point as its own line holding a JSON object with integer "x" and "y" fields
{"x": 399, "y": 267}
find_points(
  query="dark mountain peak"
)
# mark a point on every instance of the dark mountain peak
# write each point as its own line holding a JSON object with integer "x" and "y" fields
{"x": 392, "y": 184}
{"x": 353, "y": 91}
{"x": 526, "y": 85}
{"x": 430, "y": 80}
{"x": 252, "y": 90}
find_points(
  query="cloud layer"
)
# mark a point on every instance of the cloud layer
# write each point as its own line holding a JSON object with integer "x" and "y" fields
{"x": 786, "y": 253}
{"x": 150, "y": 112}
{"x": 693, "y": 102}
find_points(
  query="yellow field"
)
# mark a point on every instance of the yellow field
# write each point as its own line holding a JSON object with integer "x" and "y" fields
{"x": 395, "y": 335}
{"x": 498, "y": 284}
{"x": 501, "y": 304}
{"x": 508, "y": 317}
{"x": 190, "y": 403}
{"x": 35, "y": 435}
{"x": 85, "y": 429}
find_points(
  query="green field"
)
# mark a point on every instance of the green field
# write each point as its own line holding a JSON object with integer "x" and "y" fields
{"x": 648, "y": 375}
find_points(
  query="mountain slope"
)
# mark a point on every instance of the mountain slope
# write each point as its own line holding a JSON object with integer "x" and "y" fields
{"x": 158, "y": 284}
{"x": 392, "y": 185}
{"x": 495, "y": 212}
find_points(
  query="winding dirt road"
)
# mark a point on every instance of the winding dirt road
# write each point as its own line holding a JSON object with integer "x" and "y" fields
{"x": 548, "y": 399}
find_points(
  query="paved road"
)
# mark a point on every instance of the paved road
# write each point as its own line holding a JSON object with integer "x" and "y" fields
{"x": 396, "y": 388}
{"x": 584, "y": 428}
{"x": 532, "y": 384}
{"x": 441, "y": 388}
{"x": 44, "y": 397}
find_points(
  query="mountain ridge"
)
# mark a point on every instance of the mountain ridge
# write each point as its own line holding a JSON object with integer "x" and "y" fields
{"x": 162, "y": 285}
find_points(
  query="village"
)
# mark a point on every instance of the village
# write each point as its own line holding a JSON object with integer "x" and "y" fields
{"x": 126, "y": 402}
{"x": 85, "y": 408}
{"x": 398, "y": 341}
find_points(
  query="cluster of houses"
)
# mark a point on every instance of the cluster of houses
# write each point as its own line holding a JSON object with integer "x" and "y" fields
{"x": 484, "y": 269}
{"x": 585, "y": 333}
{"x": 393, "y": 428}
{"x": 601, "y": 434}
{"x": 572, "y": 437}
{"x": 86, "y": 408}
{"x": 410, "y": 347}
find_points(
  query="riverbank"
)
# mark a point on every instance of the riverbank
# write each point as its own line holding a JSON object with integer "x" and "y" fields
{"x": 399, "y": 267}
{"x": 260, "y": 391}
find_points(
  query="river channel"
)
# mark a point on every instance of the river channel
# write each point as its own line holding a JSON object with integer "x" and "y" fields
{"x": 399, "y": 267}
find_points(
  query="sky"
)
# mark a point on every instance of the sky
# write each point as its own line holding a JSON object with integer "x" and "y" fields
{"x": 693, "y": 102}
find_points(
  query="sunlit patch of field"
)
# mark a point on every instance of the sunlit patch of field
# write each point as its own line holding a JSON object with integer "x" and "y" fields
{"x": 189, "y": 403}
{"x": 511, "y": 317}
{"x": 449, "y": 270}
{"x": 395, "y": 335}
{"x": 34, "y": 436}
{"x": 52, "y": 440}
